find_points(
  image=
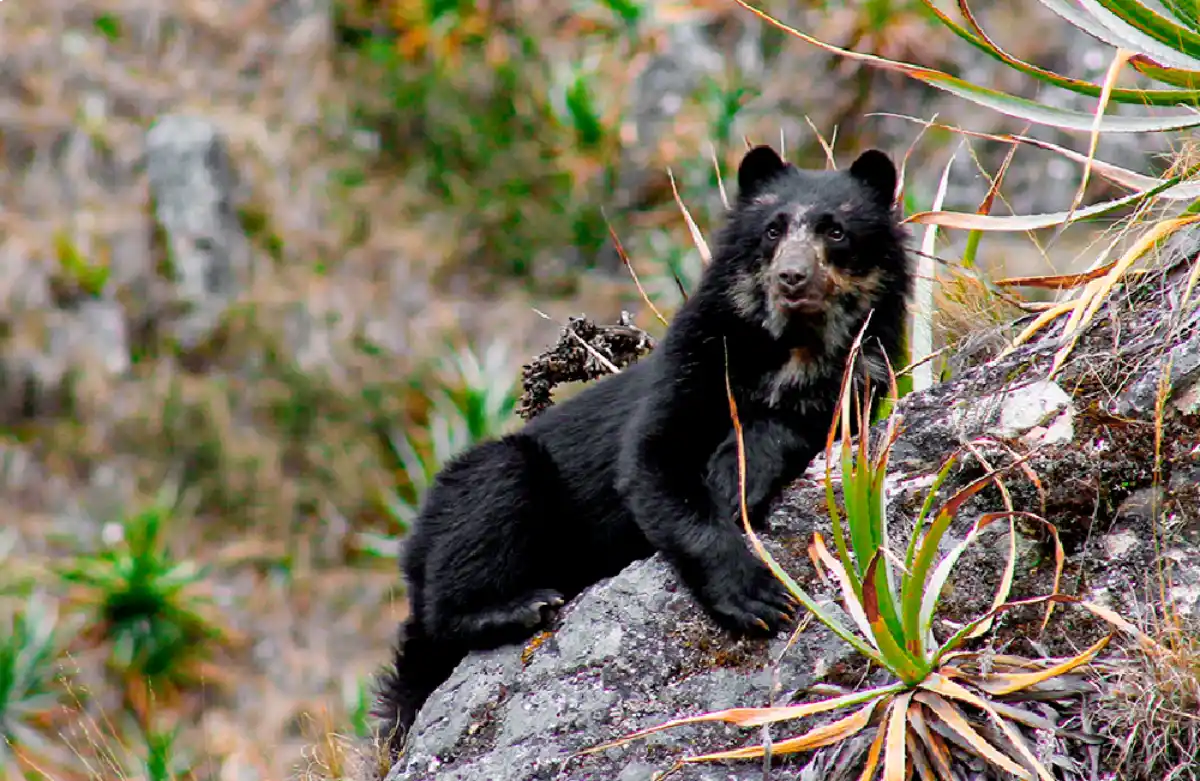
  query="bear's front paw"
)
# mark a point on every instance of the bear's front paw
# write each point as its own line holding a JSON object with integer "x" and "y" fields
{"x": 747, "y": 598}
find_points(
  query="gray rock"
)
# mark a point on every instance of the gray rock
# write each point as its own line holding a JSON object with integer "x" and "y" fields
{"x": 632, "y": 651}
{"x": 1139, "y": 398}
{"x": 192, "y": 183}
{"x": 1040, "y": 412}
{"x": 51, "y": 348}
{"x": 98, "y": 329}
{"x": 637, "y": 650}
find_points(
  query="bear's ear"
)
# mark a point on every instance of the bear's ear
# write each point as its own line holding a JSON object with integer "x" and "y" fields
{"x": 760, "y": 165}
{"x": 876, "y": 170}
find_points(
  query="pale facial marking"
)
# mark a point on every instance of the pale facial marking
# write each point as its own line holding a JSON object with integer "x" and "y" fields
{"x": 745, "y": 294}
{"x": 866, "y": 287}
{"x": 841, "y": 322}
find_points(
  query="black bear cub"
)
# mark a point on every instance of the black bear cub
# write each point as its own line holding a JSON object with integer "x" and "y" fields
{"x": 646, "y": 460}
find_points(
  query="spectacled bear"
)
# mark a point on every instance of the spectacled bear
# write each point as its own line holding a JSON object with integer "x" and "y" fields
{"x": 646, "y": 460}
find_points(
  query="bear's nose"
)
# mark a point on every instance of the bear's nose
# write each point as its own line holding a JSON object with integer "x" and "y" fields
{"x": 792, "y": 278}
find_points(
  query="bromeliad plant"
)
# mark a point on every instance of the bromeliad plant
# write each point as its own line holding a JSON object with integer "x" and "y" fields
{"x": 31, "y": 696}
{"x": 474, "y": 399}
{"x": 1161, "y": 42}
{"x": 152, "y": 609}
{"x": 942, "y": 697}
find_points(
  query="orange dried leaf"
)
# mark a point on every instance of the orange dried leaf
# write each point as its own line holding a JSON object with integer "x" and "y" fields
{"x": 824, "y": 735}
{"x": 1006, "y": 683}
{"x": 953, "y": 718}
{"x": 897, "y": 727}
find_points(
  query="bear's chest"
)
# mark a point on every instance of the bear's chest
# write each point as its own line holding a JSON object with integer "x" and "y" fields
{"x": 803, "y": 383}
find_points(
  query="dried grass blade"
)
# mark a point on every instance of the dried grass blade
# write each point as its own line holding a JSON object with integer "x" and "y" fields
{"x": 1120, "y": 58}
{"x": 824, "y": 735}
{"x": 1105, "y": 285}
{"x": 1056, "y": 281}
{"x": 876, "y": 750}
{"x": 693, "y": 228}
{"x": 1007, "y": 683}
{"x": 826, "y": 146}
{"x": 1004, "y": 587}
{"x": 853, "y": 605}
{"x": 897, "y": 728}
{"x": 1148, "y": 643}
{"x": 1050, "y": 315}
{"x": 934, "y": 745}
{"x": 942, "y": 572}
{"x": 629, "y": 266}
{"x": 948, "y": 688}
{"x": 916, "y": 755}
{"x": 712, "y": 150}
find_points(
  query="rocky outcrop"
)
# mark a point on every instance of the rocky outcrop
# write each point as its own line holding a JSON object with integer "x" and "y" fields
{"x": 637, "y": 650}
{"x": 208, "y": 257}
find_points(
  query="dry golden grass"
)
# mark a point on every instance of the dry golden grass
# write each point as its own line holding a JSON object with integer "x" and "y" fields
{"x": 1151, "y": 706}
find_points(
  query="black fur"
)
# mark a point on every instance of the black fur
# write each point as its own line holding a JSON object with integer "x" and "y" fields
{"x": 646, "y": 460}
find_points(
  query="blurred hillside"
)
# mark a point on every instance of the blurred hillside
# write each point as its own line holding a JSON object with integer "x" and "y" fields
{"x": 265, "y": 264}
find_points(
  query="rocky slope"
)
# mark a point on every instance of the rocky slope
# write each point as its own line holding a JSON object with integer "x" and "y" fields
{"x": 637, "y": 650}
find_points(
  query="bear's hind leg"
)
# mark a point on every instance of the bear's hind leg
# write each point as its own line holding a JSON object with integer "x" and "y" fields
{"x": 491, "y": 574}
{"x": 510, "y": 622}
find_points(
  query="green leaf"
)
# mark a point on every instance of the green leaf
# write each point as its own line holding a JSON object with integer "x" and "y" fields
{"x": 899, "y": 660}
{"x": 980, "y": 40}
{"x": 1178, "y": 77}
{"x": 108, "y": 25}
{"x": 914, "y": 586}
{"x": 1022, "y": 222}
{"x": 1021, "y": 108}
{"x": 1183, "y": 11}
{"x": 1042, "y": 114}
{"x": 1136, "y": 21}
{"x": 585, "y": 117}
{"x": 1110, "y": 28}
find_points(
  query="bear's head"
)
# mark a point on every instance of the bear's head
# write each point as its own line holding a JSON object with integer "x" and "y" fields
{"x": 812, "y": 251}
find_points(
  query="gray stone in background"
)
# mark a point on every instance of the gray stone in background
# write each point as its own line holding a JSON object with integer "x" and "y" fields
{"x": 192, "y": 183}
{"x": 98, "y": 330}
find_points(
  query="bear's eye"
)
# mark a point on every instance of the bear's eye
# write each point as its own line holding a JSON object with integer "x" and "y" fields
{"x": 774, "y": 232}
{"x": 835, "y": 233}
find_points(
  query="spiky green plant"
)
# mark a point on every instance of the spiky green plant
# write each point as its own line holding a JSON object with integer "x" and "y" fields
{"x": 31, "y": 696}
{"x": 472, "y": 398}
{"x": 162, "y": 757}
{"x": 153, "y": 610}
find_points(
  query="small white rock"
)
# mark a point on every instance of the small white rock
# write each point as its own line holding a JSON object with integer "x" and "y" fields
{"x": 1119, "y": 544}
{"x": 1041, "y": 412}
